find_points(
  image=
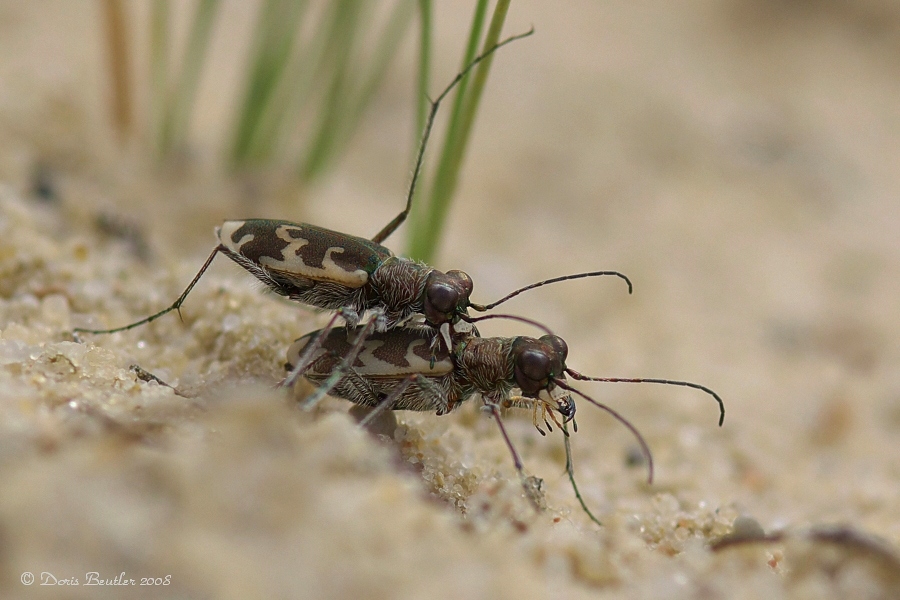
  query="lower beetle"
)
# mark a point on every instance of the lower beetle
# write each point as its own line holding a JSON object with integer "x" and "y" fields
{"x": 399, "y": 370}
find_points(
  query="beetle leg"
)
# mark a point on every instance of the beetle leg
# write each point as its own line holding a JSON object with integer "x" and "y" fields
{"x": 534, "y": 417}
{"x": 548, "y": 410}
{"x": 535, "y": 404}
{"x": 381, "y": 321}
{"x": 437, "y": 397}
{"x": 350, "y": 316}
{"x": 531, "y": 485}
{"x": 357, "y": 389}
{"x": 307, "y": 358}
{"x": 389, "y": 400}
{"x": 340, "y": 370}
{"x": 494, "y": 408}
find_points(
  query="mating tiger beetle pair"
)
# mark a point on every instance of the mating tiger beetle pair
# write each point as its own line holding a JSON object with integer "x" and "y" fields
{"x": 419, "y": 349}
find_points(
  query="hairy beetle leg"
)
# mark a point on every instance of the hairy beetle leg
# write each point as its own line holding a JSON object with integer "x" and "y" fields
{"x": 306, "y": 359}
{"x": 176, "y": 306}
{"x": 340, "y": 370}
{"x": 546, "y": 409}
{"x": 389, "y": 400}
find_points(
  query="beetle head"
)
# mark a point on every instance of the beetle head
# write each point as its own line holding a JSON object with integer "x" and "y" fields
{"x": 537, "y": 362}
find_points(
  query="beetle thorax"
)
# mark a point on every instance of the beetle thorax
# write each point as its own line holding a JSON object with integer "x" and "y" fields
{"x": 485, "y": 364}
{"x": 397, "y": 287}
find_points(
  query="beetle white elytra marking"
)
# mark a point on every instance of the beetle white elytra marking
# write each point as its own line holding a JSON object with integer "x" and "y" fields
{"x": 289, "y": 258}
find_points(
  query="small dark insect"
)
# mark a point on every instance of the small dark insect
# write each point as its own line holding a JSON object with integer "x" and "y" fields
{"x": 399, "y": 370}
{"x": 43, "y": 184}
{"x": 147, "y": 376}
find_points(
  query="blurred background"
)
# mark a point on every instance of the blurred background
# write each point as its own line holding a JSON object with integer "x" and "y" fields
{"x": 738, "y": 160}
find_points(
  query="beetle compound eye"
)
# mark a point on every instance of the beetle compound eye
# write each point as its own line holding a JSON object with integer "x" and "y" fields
{"x": 558, "y": 344}
{"x": 558, "y": 351}
{"x": 531, "y": 371}
{"x": 441, "y": 297}
{"x": 535, "y": 364}
{"x": 464, "y": 283}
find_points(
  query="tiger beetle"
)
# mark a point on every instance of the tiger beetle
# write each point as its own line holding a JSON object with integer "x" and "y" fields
{"x": 400, "y": 370}
{"x": 336, "y": 271}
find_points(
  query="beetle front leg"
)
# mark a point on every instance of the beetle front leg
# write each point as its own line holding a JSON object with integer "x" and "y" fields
{"x": 531, "y": 485}
{"x": 339, "y": 371}
{"x": 436, "y": 397}
{"x": 536, "y": 404}
{"x": 381, "y": 320}
{"x": 351, "y": 317}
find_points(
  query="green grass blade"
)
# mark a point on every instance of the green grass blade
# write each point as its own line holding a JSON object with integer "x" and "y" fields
{"x": 425, "y": 27}
{"x": 159, "y": 69}
{"x": 388, "y": 43}
{"x": 341, "y": 42}
{"x": 306, "y": 65}
{"x": 422, "y": 104}
{"x": 427, "y": 217}
{"x": 451, "y": 164}
{"x": 346, "y": 100}
{"x": 274, "y": 40}
{"x": 175, "y": 121}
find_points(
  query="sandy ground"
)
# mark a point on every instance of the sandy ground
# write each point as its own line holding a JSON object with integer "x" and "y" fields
{"x": 738, "y": 160}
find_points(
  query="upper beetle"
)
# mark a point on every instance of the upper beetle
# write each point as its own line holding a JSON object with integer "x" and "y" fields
{"x": 332, "y": 270}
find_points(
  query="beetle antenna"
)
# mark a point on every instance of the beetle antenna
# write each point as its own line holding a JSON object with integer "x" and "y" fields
{"x": 570, "y": 469}
{"x": 429, "y": 122}
{"x": 696, "y": 386}
{"x": 644, "y": 447}
{"x": 540, "y": 326}
{"x": 484, "y": 307}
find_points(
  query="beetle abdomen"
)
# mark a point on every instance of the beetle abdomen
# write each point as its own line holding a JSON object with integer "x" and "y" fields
{"x": 437, "y": 395}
